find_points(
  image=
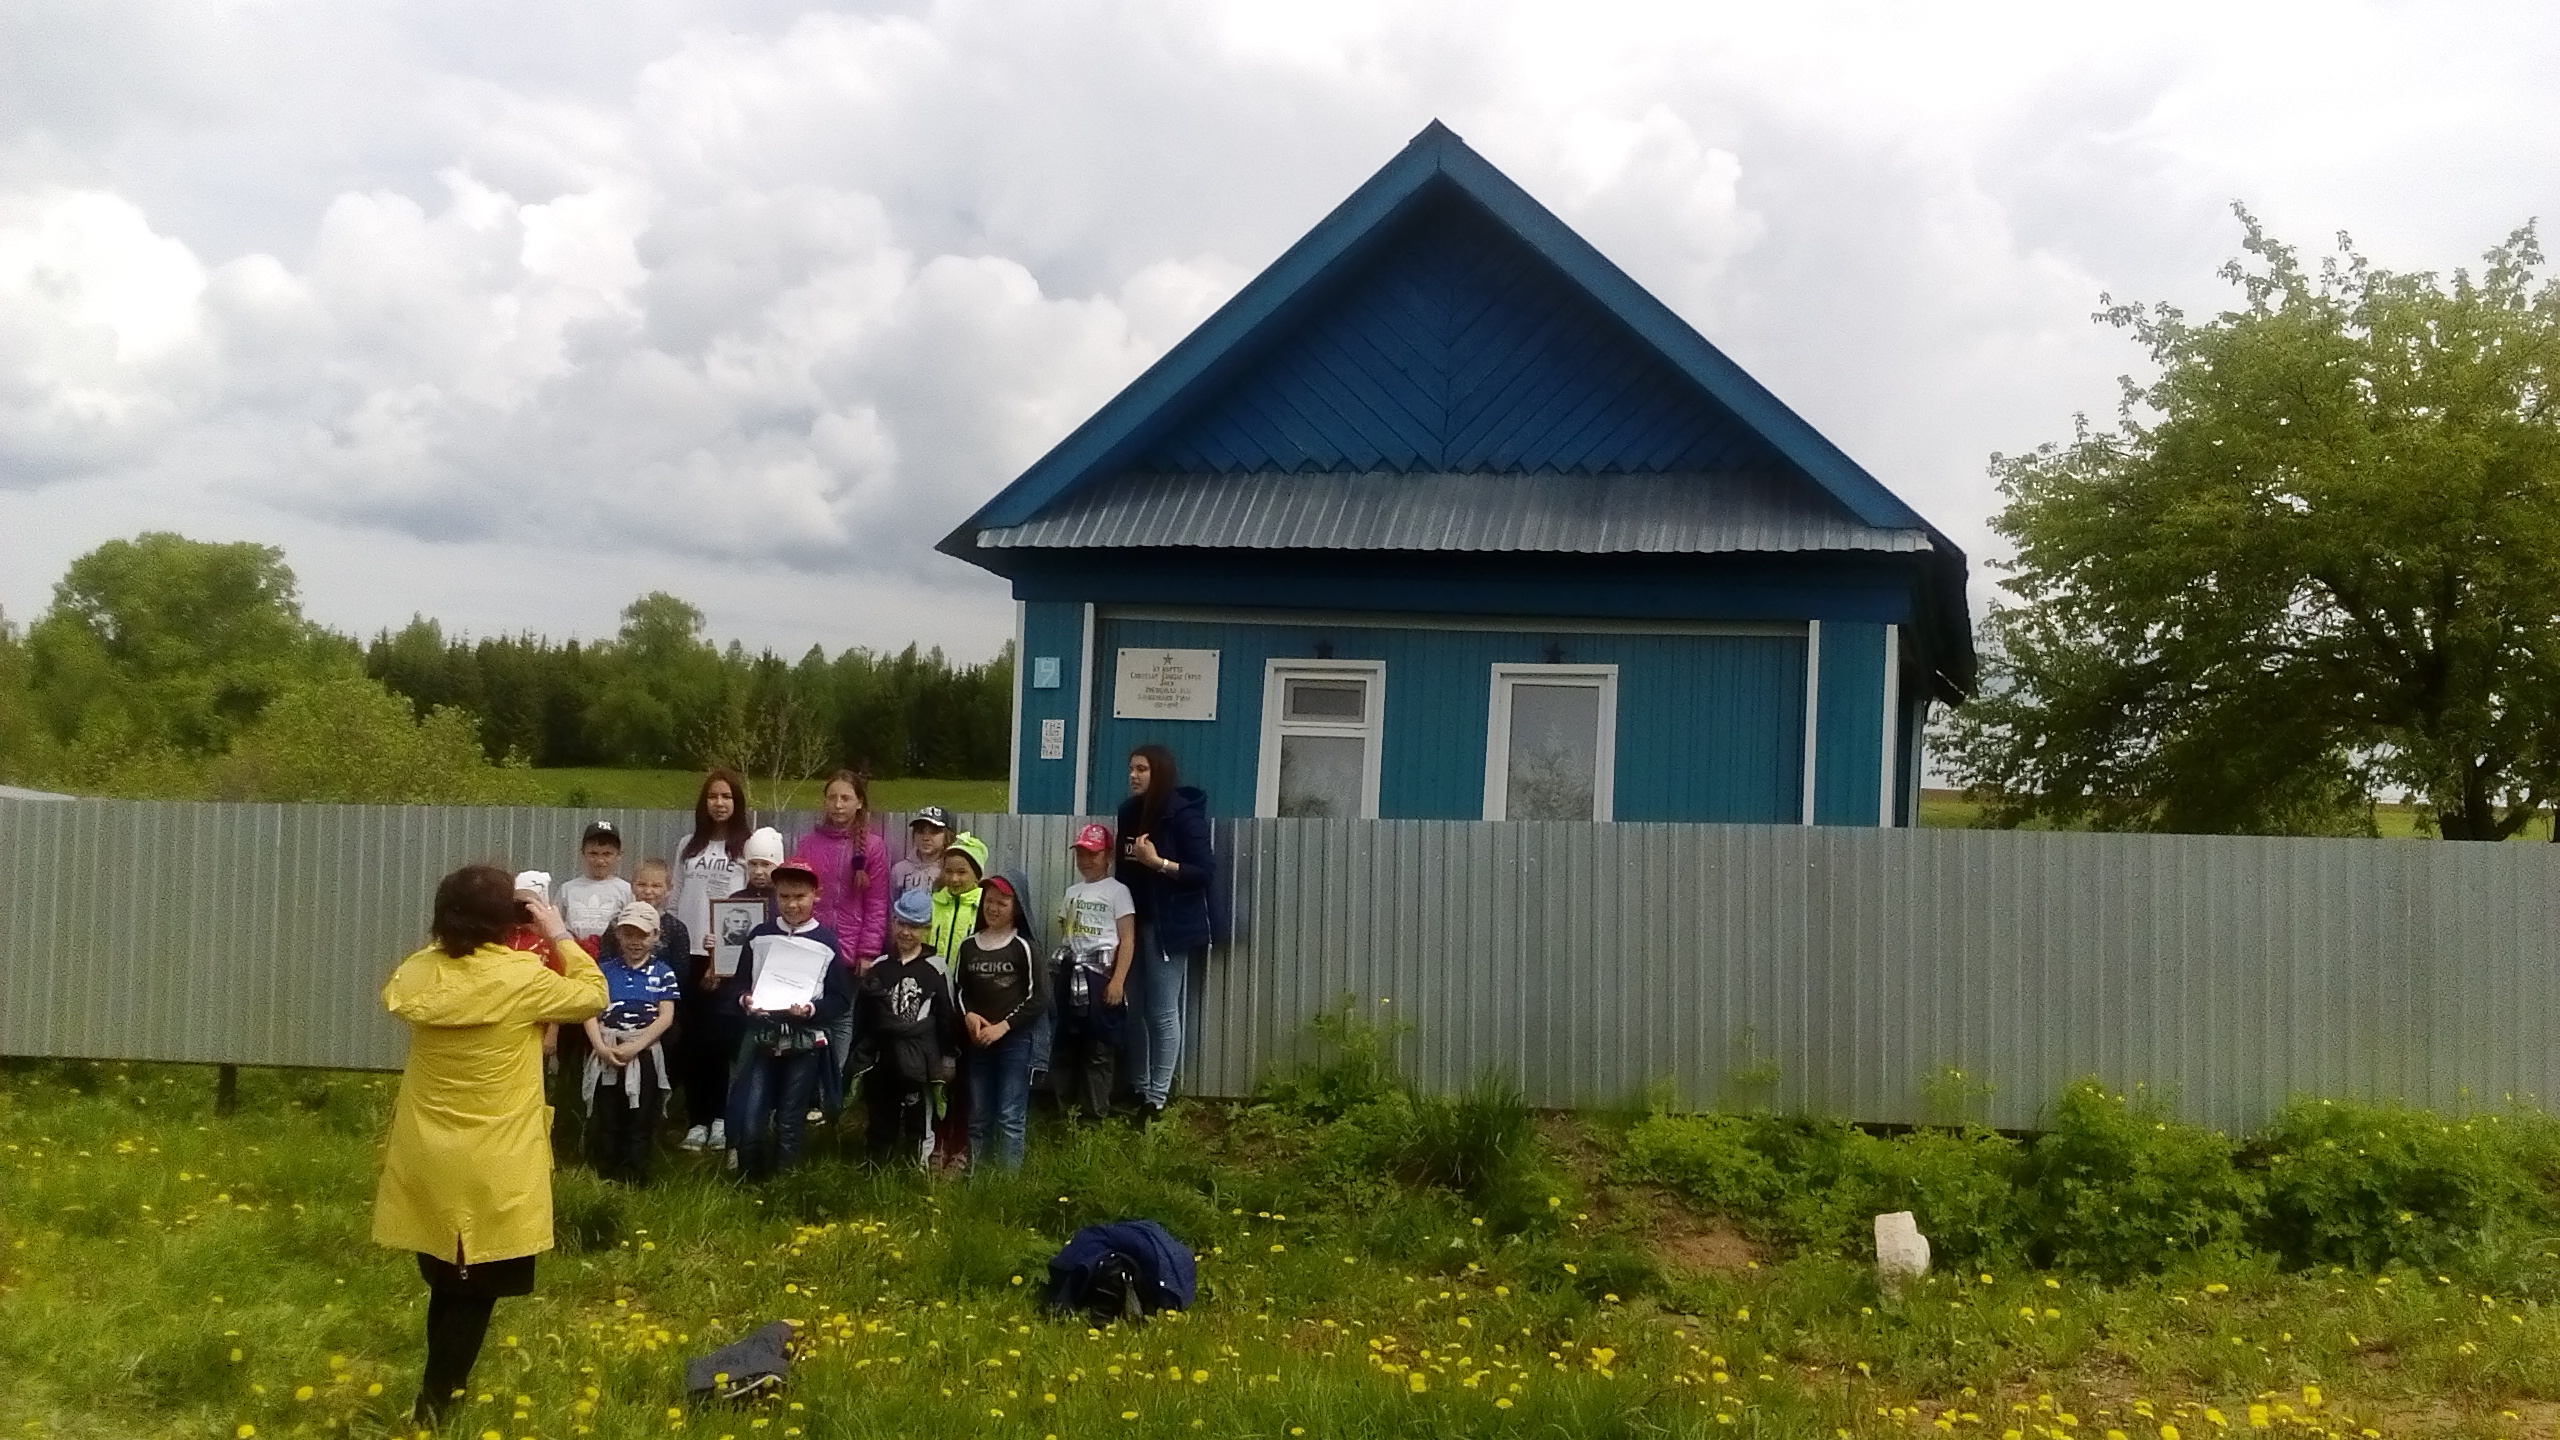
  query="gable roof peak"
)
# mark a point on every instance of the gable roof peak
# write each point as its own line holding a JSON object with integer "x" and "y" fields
{"x": 1436, "y": 156}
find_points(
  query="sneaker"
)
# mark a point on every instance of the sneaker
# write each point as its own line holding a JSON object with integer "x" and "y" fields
{"x": 719, "y": 1138}
{"x": 1149, "y": 1114}
{"x": 697, "y": 1138}
{"x": 817, "y": 1117}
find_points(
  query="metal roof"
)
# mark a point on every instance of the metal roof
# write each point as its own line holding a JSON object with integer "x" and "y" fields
{"x": 1649, "y": 514}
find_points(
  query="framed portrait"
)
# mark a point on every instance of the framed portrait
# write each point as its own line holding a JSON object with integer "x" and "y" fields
{"x": 732, "y": 921}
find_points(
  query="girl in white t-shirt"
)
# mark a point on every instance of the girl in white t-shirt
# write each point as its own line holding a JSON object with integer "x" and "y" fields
{"x": 1098, "y": 937}
{"x": 710, "y": 866}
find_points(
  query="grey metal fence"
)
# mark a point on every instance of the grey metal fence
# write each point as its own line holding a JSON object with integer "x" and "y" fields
{"x": 1829, "y": 970}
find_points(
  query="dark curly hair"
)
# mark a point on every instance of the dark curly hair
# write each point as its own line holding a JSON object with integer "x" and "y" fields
{"x": 475, "y": 906}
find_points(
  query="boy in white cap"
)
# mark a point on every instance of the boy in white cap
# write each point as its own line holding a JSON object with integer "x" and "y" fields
{"x": 625, "y": 1085}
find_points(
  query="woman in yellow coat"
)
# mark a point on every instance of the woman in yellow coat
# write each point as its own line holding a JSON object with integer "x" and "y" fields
{"x": 466, "y": 1177}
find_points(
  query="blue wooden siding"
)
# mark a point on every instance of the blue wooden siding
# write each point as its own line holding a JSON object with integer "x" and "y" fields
{"x": 1454, "y": 346}
{"x": 1050, "y": 628}
{"x": 1709, "y": 726}
{"x": 1849, "y": 756}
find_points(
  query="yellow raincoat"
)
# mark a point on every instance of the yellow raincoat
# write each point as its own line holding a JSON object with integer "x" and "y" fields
{"x": 466, "y": 1176}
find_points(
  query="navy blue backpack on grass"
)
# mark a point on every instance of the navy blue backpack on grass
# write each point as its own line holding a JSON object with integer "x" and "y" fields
{"x": 1126, "y": 1270}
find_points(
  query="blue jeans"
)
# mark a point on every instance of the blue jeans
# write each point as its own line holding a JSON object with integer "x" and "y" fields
{"x": 778, "y": 1087}
{"x": 1044, "y": 1038}
{"x": 1154, "y": 1042}
{"x": 999, "y": 1100}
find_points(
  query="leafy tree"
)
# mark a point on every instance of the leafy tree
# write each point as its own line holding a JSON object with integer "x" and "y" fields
{"x": 351, "y": 741}
{"x": 2316, "y": 559}
{"x": 161, "y": 642}
{"x": 18, "y": 737}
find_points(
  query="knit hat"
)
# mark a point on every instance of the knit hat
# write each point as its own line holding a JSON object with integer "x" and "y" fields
{"x": 766, "y": 845}
{"x": 639, "y": 915}
{"x": 970, "y": 845}
{"x": 915, "y": 907}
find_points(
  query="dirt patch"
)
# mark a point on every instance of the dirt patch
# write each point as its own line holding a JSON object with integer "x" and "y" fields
{"x": 1693, "y": 1244}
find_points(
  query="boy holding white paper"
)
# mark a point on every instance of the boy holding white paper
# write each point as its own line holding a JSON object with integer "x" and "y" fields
{"x": 787, "y": 992}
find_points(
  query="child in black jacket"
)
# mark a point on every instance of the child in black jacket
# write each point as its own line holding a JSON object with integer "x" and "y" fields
{"x": 781, "y": 1053}
{"x": 906, "y": 1038}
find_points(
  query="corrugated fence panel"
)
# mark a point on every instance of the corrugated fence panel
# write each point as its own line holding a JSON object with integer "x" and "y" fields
{"x": 1835, "y": 970}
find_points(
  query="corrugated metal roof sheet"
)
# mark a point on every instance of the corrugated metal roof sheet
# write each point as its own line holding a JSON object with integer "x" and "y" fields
{"x": 1643, "y": 514}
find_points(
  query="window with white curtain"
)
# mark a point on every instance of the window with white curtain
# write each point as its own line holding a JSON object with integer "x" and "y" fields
{"x": 1321, "y": 724}
{"x": 1551, "y": 750}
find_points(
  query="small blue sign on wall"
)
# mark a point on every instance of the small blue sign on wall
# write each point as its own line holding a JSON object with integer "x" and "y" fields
{"x": 1044, "y": 672}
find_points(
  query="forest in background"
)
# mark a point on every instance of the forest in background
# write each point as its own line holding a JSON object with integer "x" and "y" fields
{"x": 174, "y": 668}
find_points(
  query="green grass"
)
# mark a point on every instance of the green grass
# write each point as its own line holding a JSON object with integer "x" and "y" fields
{"x": 675, "y": 789}
{"x": 1949, "y": 810}
{"x": 168, "y": 1272}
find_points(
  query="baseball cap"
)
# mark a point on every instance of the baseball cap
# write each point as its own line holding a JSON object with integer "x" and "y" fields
{"x": 600, "y": 830}
{"x": 1096, "y": 838}
{"x": 639, "y": 915}
{"x": 914, "y": 907}
{"x": 796, "y": 866}
{"x": 933, "y": 815}
{"x": 537, "y": 881}
{"x": 765, "y": 844}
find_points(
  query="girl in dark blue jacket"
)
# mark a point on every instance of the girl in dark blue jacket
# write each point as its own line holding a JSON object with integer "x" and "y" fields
{"x": 1166, "y": 862}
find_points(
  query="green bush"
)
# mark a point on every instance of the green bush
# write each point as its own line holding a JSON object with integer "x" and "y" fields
{"x": 2116, "y": 1187}
{"x": 1820, "y": 1184}
{"x": 1357, "y": 1067}
{"x": 2366, "y": 1185}
{"x": 1709, "y": 1158}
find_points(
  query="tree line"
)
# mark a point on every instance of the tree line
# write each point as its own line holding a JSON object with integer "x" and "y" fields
{"x": 170, "y": 667}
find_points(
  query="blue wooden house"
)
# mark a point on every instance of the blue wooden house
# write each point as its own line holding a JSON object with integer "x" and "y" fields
{"x": 1444, "y": 516}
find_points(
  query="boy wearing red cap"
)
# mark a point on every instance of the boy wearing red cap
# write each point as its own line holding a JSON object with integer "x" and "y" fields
{"x": 783, "y": 1053}
{"x": 1098, "y": 936}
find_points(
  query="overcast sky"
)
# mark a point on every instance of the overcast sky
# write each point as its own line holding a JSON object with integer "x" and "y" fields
{"x": 507, "y": 312}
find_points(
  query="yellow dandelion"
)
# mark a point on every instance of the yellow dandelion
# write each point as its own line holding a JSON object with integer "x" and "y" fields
{"x": 245, "y": 1431}
{"x": 1128, "y": 1414}
{"x": 1502, "y": 1402}
{"x": 1417, "y": 1380}
{"x": 303, "y": 1393}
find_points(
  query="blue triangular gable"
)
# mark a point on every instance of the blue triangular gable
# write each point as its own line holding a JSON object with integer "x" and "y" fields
{"x": 1433, "y": 166}
{"x": 1454, "y": 346}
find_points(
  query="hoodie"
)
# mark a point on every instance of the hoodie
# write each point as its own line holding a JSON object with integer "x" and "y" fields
{"x": 955, "y": 912}
{"x": 466, "y": 1174}
{"x": 854, "y": 887}
{"x": 1175, "y": 902}
{"x": 1007, "y": 983}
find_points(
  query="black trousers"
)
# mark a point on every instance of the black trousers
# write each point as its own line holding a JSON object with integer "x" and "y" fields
{"x": 460, "y": 1299}
{"x": 1085, "y": 1059}
{"x": 705, "y": 1040}
{"x": 621, "y": 1136}
{"x": 898, "y": 1118}
{"x": 563, "y": 1072}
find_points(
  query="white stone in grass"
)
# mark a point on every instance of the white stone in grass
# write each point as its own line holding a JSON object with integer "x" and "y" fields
{"x": 1902, "y": 1252}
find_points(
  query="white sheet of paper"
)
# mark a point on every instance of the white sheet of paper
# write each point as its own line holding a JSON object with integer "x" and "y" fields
{"x": 789, "y": 970}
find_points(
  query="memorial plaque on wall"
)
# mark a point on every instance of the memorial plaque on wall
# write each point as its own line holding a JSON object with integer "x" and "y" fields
{"x": 1166, "y": 685}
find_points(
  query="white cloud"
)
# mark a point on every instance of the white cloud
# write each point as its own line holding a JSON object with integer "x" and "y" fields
{"x": 719, "y": 294}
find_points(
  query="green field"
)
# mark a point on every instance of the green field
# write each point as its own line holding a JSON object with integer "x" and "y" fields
{"x": 1949, "y": 810}
{"x": 1386, "y": 1271}
{"x": 675, "y": 789}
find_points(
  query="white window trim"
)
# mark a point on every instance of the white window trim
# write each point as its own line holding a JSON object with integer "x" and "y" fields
{"x": 1497, "y": 745}
{"x": 1275, "y": 675}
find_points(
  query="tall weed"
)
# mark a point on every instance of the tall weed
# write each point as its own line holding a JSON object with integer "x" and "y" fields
{"x": 2118, "y": 1188}
{"x": 2367, "y": 1185}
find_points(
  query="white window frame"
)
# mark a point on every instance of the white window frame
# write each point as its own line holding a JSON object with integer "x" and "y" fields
{"x": 1497, "y": 744}
{"x": 1276, "y": 673}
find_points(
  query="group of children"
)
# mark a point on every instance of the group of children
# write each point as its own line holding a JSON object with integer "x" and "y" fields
{"x": 937, "y": 1009}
